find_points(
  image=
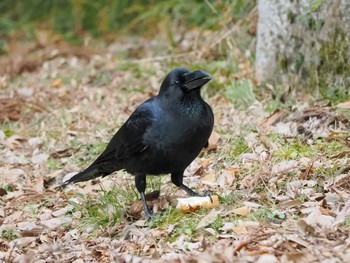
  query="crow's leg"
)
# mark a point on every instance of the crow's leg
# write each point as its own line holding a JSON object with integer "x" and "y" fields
{"x": 140, "y": 182}
{"x": 177, "y": 179}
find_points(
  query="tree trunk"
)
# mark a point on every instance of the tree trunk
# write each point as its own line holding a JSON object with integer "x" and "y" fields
{"x": 297, "y": 41}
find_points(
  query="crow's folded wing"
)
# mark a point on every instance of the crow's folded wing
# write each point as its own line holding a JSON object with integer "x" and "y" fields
{"x": 128, "y": 141}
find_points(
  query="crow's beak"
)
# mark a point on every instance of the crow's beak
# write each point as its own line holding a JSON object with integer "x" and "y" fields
{"x": 196, "y": 79}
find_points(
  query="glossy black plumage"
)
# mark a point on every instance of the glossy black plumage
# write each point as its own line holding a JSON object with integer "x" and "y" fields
{"x": 163, "y": 135}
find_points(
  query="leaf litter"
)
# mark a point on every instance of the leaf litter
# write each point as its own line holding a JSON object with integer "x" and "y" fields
{"x": 283, "y": 185}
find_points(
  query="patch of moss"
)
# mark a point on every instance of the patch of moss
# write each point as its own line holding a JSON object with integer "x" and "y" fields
{"x": 330, "y": 68}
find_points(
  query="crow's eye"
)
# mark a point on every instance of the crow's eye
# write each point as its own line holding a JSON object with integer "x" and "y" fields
{"x": 177, "y": 82}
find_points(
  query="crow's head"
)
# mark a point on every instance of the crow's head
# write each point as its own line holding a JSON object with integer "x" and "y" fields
{"x": 180, "y": 82}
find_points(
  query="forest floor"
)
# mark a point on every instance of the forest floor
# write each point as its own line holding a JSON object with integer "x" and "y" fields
{"x": 282, "y": 176}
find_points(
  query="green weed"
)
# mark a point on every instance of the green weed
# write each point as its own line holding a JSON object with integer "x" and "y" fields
{"x": 295, "y": 148}
{"x": 241, "y": 93}
{"x": 8, "y": 234}
{"x": 53, "y": 164}
{"x": 106, "y": 210}
{"x": 238, "y": 146}
{"x": 347, "y": 222}
{"x": 183, "y": 223}
{"x": 109, "y": 207}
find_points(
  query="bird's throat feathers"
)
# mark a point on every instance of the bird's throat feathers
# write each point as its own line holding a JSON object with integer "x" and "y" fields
{"x": 192, "y": 104}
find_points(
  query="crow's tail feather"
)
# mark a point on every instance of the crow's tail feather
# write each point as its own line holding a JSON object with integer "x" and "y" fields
{"x": 89, "y": 173}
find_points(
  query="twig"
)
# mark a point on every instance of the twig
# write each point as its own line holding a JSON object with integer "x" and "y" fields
{"x": 9, "y": 257}
{"x": 242, "y": 245}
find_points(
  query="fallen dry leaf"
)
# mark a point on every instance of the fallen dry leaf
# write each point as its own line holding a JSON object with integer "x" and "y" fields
{"x": 240, "y": 230}
{"x": 267, "y": 258}
{"x": 2, "y": 191}
{"x": 54, "y": 223}
{"x": 208, "y": 219}
{"x": 302, "y": 257}
{"x": 64, "y": 153}
{"x": 231, "y": 171}
{"x": 272, "y": 119}
{"x": 25, "y": 92}
{"x": 39, "y": 158}
{"x": 57, "y": 83}
{"x": 226, "y": 179}
{"x": 213, "y": 141}
{"x": 211, "y": 178}
{"x": 23, "y": 242}
{"x": 35, "y": 142}
{"x": 10, "y": 108}
{"x": 63, "y": 211}
{"x": 205, "y": 162}
{"x": 13, "y": 218}
{"x": 344, "y": 105}
{"x": 15, "y": 141}
{"x": 290, "y": 203}
{"x": 241, "y": 211}
{"x": 39, "y": 185}
{"x": 135, "y": 210}
{"x": 284, "y": 167}
{"x": 305, "y": 228}
{"x": 296, "y": 239}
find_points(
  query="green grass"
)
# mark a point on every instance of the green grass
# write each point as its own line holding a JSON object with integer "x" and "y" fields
{"x": 238, "y": 146}
{"x": 266, "y": 215}
{"x": 8, "y": 234}
{"x": 241, "y": 93}
{"x": 87, "y": 153}
{"x": 53, "y": 164}
{"x": 218, "y": 223}
{"x": 104, "y": 18}
{"x": 296, "y": 148}
{"x": 183, "y": 223}
{"x": 233, "y": 199}
{"x": 7, "y": 188}
{"x": 109, "y": 207}
{"x": 106, "y": 210}
{"x": 347, "y": 222}
{"x": 293, "y": 150}
{"x": 10, "y": 128}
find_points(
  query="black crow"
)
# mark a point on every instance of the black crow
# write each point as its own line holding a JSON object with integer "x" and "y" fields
{"x": 162, "y": 136}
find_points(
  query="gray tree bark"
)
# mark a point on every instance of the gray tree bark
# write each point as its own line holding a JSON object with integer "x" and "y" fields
{"x": 296, "y": 42}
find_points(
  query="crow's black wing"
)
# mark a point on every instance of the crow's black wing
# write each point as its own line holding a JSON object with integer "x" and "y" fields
{"x": 129, "y": 138}
{"x": 127, "y": 142}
